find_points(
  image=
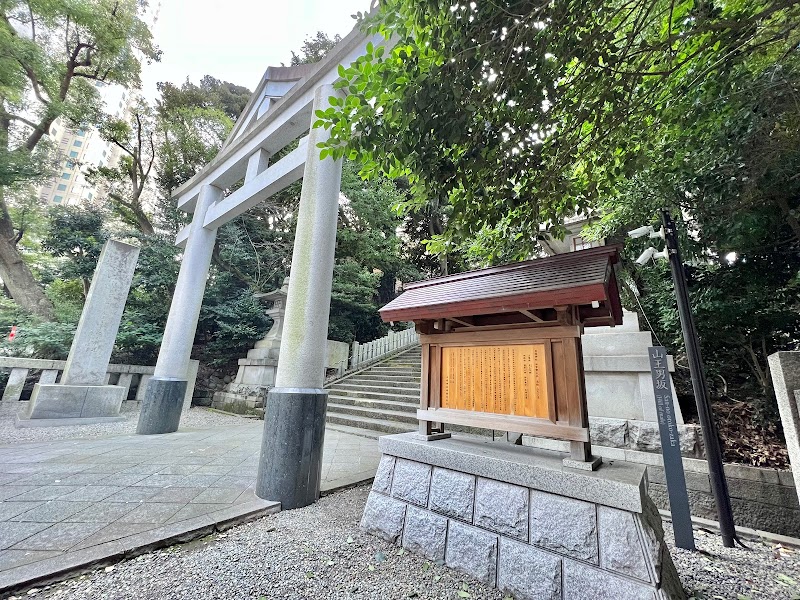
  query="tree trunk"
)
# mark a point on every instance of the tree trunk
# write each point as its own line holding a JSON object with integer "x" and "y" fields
{"x": 16, "y": 275}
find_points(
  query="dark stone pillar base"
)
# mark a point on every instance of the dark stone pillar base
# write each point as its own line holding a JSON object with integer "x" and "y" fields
{"x": 161, "y": 407}
{"x": 290, "y": 470}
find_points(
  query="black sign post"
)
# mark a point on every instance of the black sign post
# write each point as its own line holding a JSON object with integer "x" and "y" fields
{"x": 671, "y": 450}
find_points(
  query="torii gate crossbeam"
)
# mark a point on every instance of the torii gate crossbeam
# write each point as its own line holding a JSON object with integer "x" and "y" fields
{"x": 294, "y": 421}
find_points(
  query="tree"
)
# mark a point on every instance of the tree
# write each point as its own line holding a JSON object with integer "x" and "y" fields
{"x": 314, "y": 49}
{"x": 126, "y": 182}
{"x": 519, "y": 113}
{"x": 53, "y": 54}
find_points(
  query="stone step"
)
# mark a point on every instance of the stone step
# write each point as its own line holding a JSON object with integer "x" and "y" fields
{"x": 369, "y": 376}
{"x": 373, "y": 413}
{"x": 359, "y": 431}
{"x": 380, "y": 425}
{"x": 404, "y": 404}
{"x": 378, "y": 395}
{"x": 384, "y": 382}
{"x": 373, "y": 386}
{"x": 396, "y": 371}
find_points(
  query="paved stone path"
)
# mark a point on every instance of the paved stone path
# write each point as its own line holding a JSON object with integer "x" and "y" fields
{"x": 68, "y": 503}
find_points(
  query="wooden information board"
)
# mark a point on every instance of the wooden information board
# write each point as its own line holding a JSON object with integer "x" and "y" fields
{"x": 503, "y": 379}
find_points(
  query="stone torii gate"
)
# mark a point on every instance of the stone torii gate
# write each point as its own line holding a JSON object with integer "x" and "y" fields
{"x": 280, "y": 111}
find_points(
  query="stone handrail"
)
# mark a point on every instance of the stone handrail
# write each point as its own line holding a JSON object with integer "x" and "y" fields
{"x": 371, "y": 351}
{"x": 128, "y": 376}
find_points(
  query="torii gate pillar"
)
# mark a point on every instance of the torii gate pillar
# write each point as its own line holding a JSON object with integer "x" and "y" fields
{"x": 163, "y": 400}
{"x": 294, "y": 418}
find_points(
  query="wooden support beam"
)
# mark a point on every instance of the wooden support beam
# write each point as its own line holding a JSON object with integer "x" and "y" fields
{"x": 532, "y": 316}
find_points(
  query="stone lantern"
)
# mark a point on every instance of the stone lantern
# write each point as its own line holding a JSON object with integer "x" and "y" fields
{"x": 256, "y": 373}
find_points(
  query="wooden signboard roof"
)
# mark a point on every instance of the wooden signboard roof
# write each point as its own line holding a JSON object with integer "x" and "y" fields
{"x": 584, "y": 279}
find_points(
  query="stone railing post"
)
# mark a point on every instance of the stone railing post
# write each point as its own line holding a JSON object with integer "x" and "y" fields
{"x": 16, "y": 381}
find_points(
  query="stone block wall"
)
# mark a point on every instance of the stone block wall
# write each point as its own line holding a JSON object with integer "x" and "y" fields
{"x": 528, "y": 542}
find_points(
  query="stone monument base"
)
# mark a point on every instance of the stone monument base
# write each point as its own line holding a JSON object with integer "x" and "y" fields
{"x": 517, "y": 519}
{"x": 23, "y": 422}
{"x": 58, "y": 401}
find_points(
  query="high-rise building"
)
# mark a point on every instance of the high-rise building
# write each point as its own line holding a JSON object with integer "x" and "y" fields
{"x": 80, "y": 149}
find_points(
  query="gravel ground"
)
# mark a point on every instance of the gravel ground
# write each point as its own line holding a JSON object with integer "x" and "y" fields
{"x": 319, "y": 552}
{"x": 195, "y": 418}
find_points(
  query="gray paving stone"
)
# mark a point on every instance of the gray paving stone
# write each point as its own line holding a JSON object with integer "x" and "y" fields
{"x": 60, "y": 536}
{"x": 230, "y": 481}
{"x": 102, "y": 512}
{"x": 143, "y": 469}
{"x": 16, "y": 558}
{"x": 152, "y": 513}
{"x": 176, "y": 494}
{"x": 452, "y": 494}
{"x": 502, "y": 507}
{"x": 213, "y": 470}
{"x": 179, "y": 470}
{"x": 425, "y": 533}
{"x": 45, "y": 492}
{"x": 472, "y": 551}
{"x": 93, "y": 493}
{"x": 53, "y": 511}
{"x": 12, "y": 491}
{"x": 10, "y": 510}
{"x": 564, "y": 525}
{"x": 218, "y": 496}
{"x": 384, "y": 517}
{"x": 202, "y": 480}
{"x": 11, "y": 532}
{"x": 190, "y": 511}
{"x": 113, "y": 531}
{"x": 161, "y": 481}
{"x": 83, "y": 478}
{"x": 411, "y": 482}
{"x": 527, "y": 572}
{"x": 620, "y": 547}
{"x": 582, "y": 582}
{"x": 134, "y": 494}
{"x": 122, "y": 479}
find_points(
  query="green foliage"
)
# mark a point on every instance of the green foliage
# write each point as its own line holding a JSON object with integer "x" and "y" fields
{"x": 519, "y": 114}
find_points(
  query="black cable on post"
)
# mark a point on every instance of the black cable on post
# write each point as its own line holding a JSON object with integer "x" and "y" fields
{"x": 719, "y": 485}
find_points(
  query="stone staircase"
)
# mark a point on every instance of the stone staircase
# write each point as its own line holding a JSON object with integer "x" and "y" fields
{"x": 382, "y": 398}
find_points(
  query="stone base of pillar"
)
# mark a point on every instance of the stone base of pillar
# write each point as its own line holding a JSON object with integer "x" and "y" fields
{"x": 291, "y": 449}
{"x": 161, "y": 407}
{"x": 57, "y": 401}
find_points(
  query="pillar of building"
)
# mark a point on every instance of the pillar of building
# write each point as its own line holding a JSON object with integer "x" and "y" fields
{"x": 163, "y": 400}
{"x": 294, "y": 420}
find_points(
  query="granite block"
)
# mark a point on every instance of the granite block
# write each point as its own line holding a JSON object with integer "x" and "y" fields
{"x": 564, "y": 525}
{"x": 452, "y": 494}
{"x": 411, "y": 482}
{"x": 472, "y": 551}
{"x": 384, "y": 517}
{"x": 620, "y": 547}
{"x": 383, "y": 476}
{"x": 425, "y": 533}
{"x": 528, "y": 573}
{"x": 582, "y": 582}
{"x": 502, "y": 507}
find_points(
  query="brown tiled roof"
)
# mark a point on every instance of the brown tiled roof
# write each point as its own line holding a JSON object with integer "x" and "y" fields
{"x": 576, "y": 278}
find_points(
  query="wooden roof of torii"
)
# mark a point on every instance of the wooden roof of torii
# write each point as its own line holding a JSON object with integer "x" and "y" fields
{"x": 520, "y": 292}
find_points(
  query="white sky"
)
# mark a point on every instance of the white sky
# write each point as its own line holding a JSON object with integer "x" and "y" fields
{"x": 236, "y": 40}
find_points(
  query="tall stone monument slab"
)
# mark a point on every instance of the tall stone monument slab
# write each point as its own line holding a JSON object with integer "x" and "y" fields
{"x": 82, "y": 395}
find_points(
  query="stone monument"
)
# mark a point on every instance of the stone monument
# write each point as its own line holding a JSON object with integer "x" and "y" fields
{"x": 82, "y": 396}
{"x": 785, "y": 370}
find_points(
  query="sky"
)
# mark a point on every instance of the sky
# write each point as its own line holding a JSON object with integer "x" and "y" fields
{"x": 236, "y": 40}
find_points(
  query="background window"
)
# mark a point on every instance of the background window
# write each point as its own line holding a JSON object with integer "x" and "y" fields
{"x": 58, "y": 199}
{"x": 80, "y": 133}
{"x": 73, "y": 154}
{"x": 62, "y": 187}
{"x": 65, "y": 176}
{"x": 77, "y": 143}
